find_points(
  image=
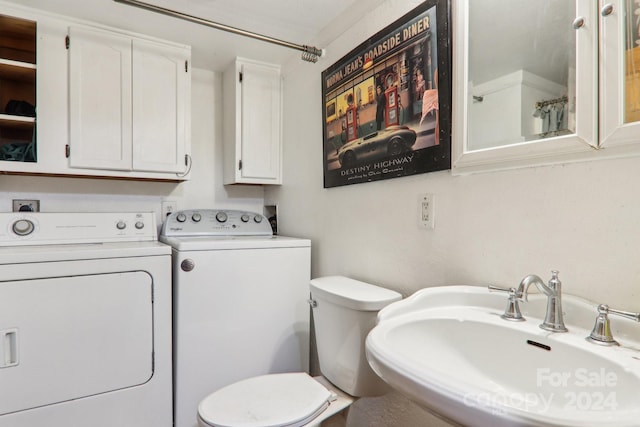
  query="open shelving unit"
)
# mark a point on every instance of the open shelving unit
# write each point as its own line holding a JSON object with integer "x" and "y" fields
{"x": 18, "y": 84}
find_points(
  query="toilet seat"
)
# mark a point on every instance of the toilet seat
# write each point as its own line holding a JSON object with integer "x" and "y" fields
{"x": 277, "y": 400}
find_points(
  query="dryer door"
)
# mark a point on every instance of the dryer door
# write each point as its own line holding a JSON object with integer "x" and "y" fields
{"x": 65, "y": 338}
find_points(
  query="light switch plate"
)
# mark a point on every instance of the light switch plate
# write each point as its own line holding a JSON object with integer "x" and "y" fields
{"x": 426, "y": 210}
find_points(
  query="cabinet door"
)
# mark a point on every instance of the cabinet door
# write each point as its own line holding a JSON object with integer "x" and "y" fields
{"x": 620, "y": 74}
{"x": 541, "y": 59}
{"x": 260, "y": 115}
{"x": 99, "y": 99}
{"x": 161, "y": 99}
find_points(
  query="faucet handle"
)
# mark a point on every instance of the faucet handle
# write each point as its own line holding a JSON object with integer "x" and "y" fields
{"x": 512, "y": 312}
{"x": 511, "y": 290}
{"x": 601, "y": 333}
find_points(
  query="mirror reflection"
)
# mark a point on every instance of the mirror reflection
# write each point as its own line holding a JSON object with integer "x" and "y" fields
{"x": 632, "y": 61}
{"x": 522, "y": 71}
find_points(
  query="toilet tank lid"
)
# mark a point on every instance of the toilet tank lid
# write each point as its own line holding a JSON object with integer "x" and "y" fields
{"x": 352, "y": 293}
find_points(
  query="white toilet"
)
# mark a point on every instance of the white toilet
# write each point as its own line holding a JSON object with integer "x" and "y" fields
{"x": 344, "y": 311}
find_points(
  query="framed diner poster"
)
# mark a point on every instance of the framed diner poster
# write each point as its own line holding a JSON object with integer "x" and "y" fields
{"x": 387, "y": 103}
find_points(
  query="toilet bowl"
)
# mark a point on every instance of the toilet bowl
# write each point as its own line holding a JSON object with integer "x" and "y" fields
{"x": 344, "y": 311}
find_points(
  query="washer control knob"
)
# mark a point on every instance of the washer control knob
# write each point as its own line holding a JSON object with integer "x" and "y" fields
{"x": 23, "y": 227}
{"x": 244, "y": 218}
{"x": 221, "y": 217}
{"x": 139, "y": 225}
{"x": 121, "y": 225}
{"x": 257, "y": 219}
{"x": 187, "y": 265}
{"x": 196, "y": 217}
{"x": 181, "y": 217}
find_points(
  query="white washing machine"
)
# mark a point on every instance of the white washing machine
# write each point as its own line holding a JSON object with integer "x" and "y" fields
{"x": 240, "y": 303}
{"x": 85, "y": 321}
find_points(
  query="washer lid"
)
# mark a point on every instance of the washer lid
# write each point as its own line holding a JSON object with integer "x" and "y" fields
{"x": 291, "y": 399}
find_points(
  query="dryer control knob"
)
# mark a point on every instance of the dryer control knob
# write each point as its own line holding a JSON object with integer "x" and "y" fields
{"x": 23, "y": 227}
{"x": 196, "y": 217}
{"x": 187, "y": 265}
{"x": 121, "y": 225}
{"x": 221, "y": 217}
{"x": 257, "y": 219}
{"x": 181, "y": 217}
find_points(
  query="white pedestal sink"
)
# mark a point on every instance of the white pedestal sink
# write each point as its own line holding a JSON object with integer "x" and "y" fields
{"x": 448, "y": 349}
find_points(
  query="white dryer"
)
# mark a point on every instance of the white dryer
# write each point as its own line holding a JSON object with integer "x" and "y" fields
{"x": 240, "y": 302}
{"x": 85, "y": 321}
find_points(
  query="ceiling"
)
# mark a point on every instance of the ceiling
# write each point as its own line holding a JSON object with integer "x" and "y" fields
{"x": 306, "y": 22}
{"x": 506, "y": 36}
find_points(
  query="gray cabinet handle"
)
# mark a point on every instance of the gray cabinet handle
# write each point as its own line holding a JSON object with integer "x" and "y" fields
{"x": 578, "y": 23}
{"x": 607, "y": 9}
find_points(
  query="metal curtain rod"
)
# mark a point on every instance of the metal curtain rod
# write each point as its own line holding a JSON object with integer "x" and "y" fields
{"x": 309, "y": 53}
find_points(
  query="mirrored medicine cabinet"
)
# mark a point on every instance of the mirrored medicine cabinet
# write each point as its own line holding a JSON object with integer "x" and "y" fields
{"x": 544, "y": 81}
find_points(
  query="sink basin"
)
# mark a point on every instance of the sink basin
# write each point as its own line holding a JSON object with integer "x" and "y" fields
{"x": 449, "y": 350}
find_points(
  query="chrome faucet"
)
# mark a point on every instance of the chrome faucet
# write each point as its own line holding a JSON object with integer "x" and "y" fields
{"x": 553, "y": 320}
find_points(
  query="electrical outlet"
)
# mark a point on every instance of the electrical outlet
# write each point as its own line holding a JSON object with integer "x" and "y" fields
{"x": 24, "y": 205}
{"x": 168, "y": 207}
{"x": 426, "y": 211}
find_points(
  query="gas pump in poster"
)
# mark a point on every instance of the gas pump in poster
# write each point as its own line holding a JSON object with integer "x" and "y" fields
{"x": 392, "y": 116}
{"x": 351, "y": 118}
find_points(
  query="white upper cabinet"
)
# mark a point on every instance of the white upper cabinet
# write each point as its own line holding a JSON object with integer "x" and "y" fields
{"x": 110, "y": 103}
{"x": 252, "y": 97}
{"x": 161, "y": 94}
{"x": 536, "y": 82}
{"x": 99, "y": 99}
{"x": 129, "y": 103}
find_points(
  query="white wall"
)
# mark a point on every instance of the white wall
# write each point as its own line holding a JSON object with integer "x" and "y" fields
{"x": 582, "y": 219}
{"x": 203, "y": 190}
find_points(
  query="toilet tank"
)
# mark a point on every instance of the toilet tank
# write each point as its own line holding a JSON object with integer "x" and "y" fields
{"x": 344, "y": 312}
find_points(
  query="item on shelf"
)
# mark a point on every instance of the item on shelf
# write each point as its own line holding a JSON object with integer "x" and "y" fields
{"x": 18, "y": 152}
{"x": 20, "y": 108}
